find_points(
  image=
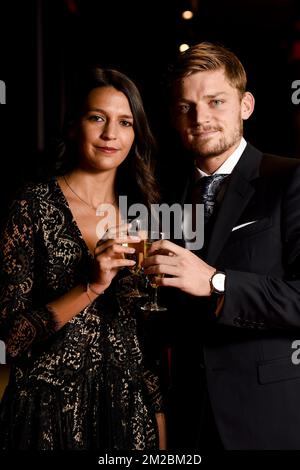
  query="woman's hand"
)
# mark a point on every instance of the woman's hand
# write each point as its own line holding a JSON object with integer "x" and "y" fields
{"x": 162, "y": 431}
{"x": 109, "y": 256}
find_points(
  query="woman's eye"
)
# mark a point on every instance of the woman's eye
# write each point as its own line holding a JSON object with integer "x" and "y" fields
{"x": 95, "y": 118}
{"x": 126, "y": 123}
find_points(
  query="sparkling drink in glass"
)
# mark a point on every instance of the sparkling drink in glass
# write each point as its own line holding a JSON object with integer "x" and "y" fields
{"x": 153, "y": 305}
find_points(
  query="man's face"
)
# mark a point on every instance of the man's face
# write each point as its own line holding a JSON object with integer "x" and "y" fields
{"x": 208, "y": 113}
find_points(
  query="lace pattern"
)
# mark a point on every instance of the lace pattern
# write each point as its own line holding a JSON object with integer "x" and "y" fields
{"x": 83, "y": 386}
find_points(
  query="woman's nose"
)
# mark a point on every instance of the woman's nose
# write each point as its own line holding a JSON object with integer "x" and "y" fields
{"x": 108, "y": 131}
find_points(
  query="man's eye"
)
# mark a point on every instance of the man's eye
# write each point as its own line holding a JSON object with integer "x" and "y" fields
{"x": 126, "y": 123}
{"x": 217, "y": 103}
{"x": 183, "y": 108}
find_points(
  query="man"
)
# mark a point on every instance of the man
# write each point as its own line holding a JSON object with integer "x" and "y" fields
{"x": 233, "y": 384}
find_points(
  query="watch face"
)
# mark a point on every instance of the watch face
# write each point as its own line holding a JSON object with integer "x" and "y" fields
{"x": 218, "y": 282}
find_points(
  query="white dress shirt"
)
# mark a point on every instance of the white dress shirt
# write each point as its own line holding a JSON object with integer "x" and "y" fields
{"x": 225, "y": 169}
{"x": 229, "y": 164}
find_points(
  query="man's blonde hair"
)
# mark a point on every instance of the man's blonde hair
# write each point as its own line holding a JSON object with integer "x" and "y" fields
{"x": 208, "y": 56}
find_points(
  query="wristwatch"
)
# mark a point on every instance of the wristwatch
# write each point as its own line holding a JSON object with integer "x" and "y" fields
{"x": 217, "y": 283}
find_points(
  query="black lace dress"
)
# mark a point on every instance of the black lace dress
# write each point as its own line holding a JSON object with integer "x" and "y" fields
{"x": 84, "y": 386}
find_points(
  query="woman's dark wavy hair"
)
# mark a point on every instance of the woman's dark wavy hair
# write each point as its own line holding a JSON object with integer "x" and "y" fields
{"x": 135, "y": 176}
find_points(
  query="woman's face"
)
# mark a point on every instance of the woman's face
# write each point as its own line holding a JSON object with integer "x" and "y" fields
{"x": 106, "y": 131}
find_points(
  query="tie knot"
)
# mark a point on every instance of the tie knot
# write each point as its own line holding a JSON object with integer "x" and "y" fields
{"x": 210, "y": 185}
{"x": 206, "y": 192}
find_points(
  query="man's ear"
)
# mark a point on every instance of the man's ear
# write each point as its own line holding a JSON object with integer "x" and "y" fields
{"x": 247, "y": 105}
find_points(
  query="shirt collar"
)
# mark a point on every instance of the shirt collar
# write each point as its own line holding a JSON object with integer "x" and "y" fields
{"x": 229, "y": 164}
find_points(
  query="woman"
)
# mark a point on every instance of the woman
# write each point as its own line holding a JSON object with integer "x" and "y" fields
{"x": 77, "y": 378}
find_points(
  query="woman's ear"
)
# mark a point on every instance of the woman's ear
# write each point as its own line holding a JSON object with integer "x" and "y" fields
{"x": 247, "y": 105}
{"x": 71, "y": 130}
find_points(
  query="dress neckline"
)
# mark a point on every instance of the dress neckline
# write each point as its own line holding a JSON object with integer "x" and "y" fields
{"x": 74, "y": 222}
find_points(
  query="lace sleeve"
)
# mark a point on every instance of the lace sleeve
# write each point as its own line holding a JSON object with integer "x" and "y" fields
{"x": 154, "y": 391}
{"x": 20, "y": 323}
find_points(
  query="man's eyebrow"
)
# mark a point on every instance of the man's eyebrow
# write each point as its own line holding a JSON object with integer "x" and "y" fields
{"x": 210, "y": 96}
{"x": 214, "y": 95}
{"x": 184, "y": 99}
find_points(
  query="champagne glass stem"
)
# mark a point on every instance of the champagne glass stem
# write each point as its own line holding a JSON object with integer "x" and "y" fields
{"x": 136, "y": 283}
{"x": 154, "y": 299}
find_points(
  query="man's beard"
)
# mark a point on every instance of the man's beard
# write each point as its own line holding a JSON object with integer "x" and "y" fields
{"x": 205, "y": 149}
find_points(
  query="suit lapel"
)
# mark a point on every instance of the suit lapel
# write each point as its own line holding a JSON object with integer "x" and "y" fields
{"x": 237, "y": 195}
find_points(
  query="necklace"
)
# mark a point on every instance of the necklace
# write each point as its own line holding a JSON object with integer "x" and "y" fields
{"x": 77, "y": 195}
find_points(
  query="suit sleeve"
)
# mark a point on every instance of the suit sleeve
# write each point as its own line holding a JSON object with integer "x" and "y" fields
{"x": 21, "y": 322}
{"x": 263, "y": 301}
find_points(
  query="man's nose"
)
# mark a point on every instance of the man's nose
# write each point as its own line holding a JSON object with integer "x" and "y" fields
{"x": 201, "y": 113}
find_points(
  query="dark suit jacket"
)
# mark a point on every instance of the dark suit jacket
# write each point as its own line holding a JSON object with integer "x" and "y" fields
{"x": 245, "y": 356}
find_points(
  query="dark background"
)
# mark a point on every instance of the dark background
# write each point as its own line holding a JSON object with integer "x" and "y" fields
{"x": 45, "y": 43}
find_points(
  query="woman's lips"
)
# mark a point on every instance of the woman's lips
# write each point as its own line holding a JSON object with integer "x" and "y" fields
{"x": 108, "y": 150}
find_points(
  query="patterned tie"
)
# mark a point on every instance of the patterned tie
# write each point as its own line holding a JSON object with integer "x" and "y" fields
{"x": 209, "y": 187}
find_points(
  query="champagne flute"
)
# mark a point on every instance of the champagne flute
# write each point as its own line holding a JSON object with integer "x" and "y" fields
{"x": 153, "y": 305}
{"x": 135, "y": 228}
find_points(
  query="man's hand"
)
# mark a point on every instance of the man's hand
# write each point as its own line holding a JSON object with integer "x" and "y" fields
{"x": 189, "y": 273}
